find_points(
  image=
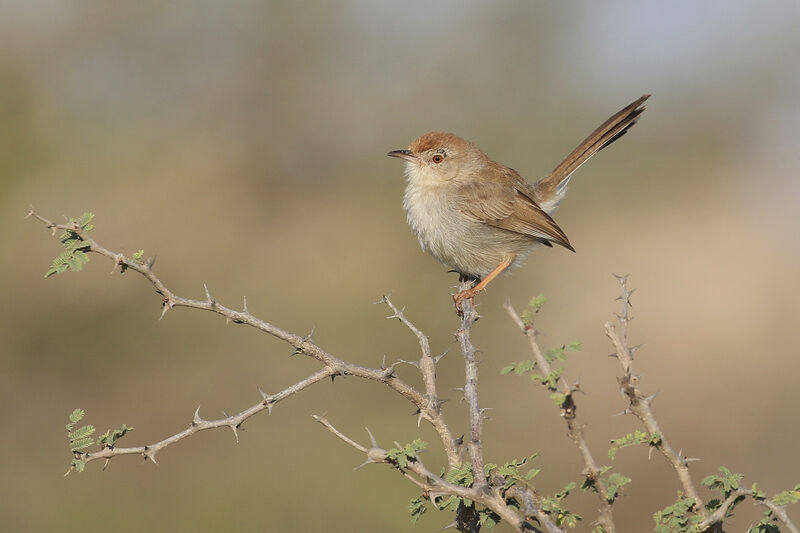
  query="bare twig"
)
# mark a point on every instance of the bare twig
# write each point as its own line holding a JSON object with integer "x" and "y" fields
{"x": 427, "y": 366}
{"x": 569, "y": 413}
{"x": 234, "y": 422}
{"x": 301, "y": 344}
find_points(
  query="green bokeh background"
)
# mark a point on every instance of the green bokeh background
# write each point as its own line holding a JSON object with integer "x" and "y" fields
{"x": 243, "y": 144}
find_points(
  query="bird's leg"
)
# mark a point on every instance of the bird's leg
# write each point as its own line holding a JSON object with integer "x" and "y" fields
{"x": 471, "y": 292}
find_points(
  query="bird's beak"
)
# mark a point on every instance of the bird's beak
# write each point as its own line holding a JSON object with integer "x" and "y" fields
{"x": 408, "y": 155}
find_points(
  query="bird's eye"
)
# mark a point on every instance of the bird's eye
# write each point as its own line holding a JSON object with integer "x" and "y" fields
{"x": 438, "y": 158}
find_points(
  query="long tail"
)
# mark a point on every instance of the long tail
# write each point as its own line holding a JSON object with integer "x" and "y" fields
{"x": 551, "y": 189}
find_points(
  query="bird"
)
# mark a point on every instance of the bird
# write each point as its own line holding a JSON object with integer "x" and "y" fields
{"x": 480, "y": 217}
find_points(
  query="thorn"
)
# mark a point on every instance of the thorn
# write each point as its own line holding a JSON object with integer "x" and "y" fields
{"x": 438, "y": 357}
{"x": 451, "y": 525}
{"x": 150, "y": 262}
{"x": 367, "y": 460}
{"x": 624, "y": 412}
{"x": 166, "y": 305}
{"x": 432, "y": 495}
{"x": 371, "y": 438}
{"x": 649, "y": 453}
{"x": 147, "y": 454}
{"x": 105, "y": 464}
{"x": 419, "y": 420}
{"x": 119, "y": 260}
{"x": 209, "y": 299}
{"x": 196, "y": 419}
{"x": 459, "y": 441}
{"x": 687, "y": 460}
{"x": 383, "y": 362}
{"x": 622, "y": 279}
{"x": 650, "y": 398}
{"x": 235, "y": 429}
{"x": 307, "y": 338}
{"x": 412, "y": 363}
{"x": 633, "y": 349}
{"x": 267, "y": 400}
{"x": 244, "y": 307}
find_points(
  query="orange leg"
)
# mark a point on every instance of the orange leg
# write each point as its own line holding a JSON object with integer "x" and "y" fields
{"x": 470, "y": 293}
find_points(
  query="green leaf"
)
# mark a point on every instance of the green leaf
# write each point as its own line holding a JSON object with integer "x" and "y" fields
{"x": 527, "y": 317}
{"x": 488, "y": 518}
{"x": 637, "y": 437}
{"x": 507, "y": 370}
{"x": 558, "y": 398}
{"x": 76, "y": 415}
{"x": 787, "y": 497}
{"x": 537, "y": 302}
{"x": 532, "y": 473}
{"x": 81, "y": 432}
{"x": 461, "y": 474}
{"x": 79, "y": 444}
{"x": 417, "y": 507}
{"x": 78, "y": 465}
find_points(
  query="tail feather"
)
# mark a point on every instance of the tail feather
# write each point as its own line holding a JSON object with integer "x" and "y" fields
{"x": 551, "y": 189}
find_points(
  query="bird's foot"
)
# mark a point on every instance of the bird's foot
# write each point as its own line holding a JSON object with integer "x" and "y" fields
{"x": 467, "y": 294}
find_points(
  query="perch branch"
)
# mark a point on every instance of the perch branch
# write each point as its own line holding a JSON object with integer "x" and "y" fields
{"x": 468, "y": 317}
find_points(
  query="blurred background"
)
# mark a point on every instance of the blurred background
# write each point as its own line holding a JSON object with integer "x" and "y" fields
{"x": 244, "y": 145}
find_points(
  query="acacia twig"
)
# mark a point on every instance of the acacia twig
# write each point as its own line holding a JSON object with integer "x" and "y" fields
{"x": 436, "y": 487}
{"x": 640, "y": 404}
{"x": 468, "y": 317}
{"x": 234, "y": 422}
{"x": 569, "y": 413}
{"x": 332, "y": 365}
{"x": 427, "y": 367}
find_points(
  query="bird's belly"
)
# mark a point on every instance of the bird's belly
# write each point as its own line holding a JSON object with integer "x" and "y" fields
{"x": 470, "y": 247}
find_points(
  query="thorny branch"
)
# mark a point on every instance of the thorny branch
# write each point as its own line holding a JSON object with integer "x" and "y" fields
{"x": 332, "y": 366}
{"x": 568, "y": 412}
{"x": 427, "y": 367}
{"x": 428, "y": 404}
{"x": 722, "y": 512}
{"x": 639, "y": 403}
{"x": 197, "y": 424}
{"x": 640, "y": 406}
{"x": 436, "y": 487}
{"x": 487, "y": 492}
{"x": 468, "y": 317}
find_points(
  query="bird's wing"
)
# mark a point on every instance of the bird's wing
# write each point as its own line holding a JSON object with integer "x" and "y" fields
{"x": 508, "y": 204}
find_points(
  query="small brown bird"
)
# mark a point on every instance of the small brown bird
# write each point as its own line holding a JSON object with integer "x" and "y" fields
{"x": 480, "y": 217}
